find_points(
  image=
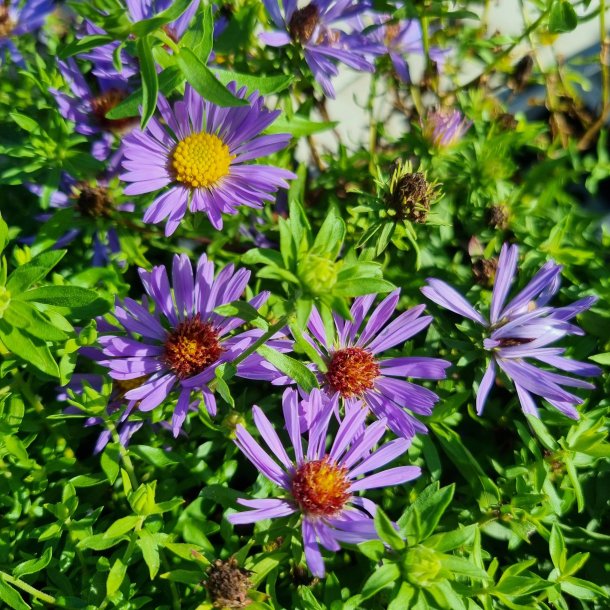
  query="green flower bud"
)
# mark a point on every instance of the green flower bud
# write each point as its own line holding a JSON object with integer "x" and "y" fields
{"x": 318, "y": 274}
{"x": 421, "y": 566}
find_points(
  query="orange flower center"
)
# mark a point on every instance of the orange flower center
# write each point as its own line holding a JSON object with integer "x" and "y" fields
{"x": 320, "y": 488}
{"x": 352, "y": 371}
{"x": 191, "y": 347}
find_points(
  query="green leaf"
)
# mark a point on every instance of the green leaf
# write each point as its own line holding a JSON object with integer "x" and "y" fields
{"x": 601, "y": 358}
{"x": 34, "y": 565}
{"x": 359, "y": 287}
{"x": 204, "y": 81}
{"x": 29, "y": 320}
{"x": 3, "y": 234}
{"x": 329, "y": 240}
{"x": 238, "y": 309}
{"x": 299, "y": 126}
{"x": 175, "y": 9}
{"x": 11, "y": 597}
{"x": 448, "y": 541}
{"x": 293, "y": 368}
{"x": 387, "y": 532}
{"x": 265, "y": 85}
{"x": 150, "y": 552}
{"x": 562, "y": 17}
{"x": 26, "y": 123}
{"x": 168, "y": 80}
{"x": 115, "y": 577}
{"x": 153, "y": 455}
{"x": 185, "y": 577}
{"x": 557, "y": 548}
{"x": 33, "y": 271}
{"x": 386, "y": 575}
{"x": 83, "y": 45}
{"x": 122, "y": 526}
{"x": 373, "y": 549}
{"x": 66, "y": 297}
{"x": 32, "y": 350}
{"x": 150, "y": 82}
{"x": 582, "y": 589}
{"x": 109, "y": 461}
{"x": 199, "y": 37}
{"x": 462, "y": 567}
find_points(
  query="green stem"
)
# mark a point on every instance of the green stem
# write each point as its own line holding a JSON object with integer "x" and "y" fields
{"x": 603, "y": 59}
{"x": 127, "y": 463}
{"x": 372, "y": 125}
{"x": 166, "y": 40}
{"x": 176, "y": 605}
{"x": 17, "y": 582}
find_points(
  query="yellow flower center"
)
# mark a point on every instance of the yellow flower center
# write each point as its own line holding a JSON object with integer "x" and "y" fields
{"x": 200, "y": 160}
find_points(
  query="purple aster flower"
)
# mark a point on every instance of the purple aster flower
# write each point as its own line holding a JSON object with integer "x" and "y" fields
{"x": 87, "y": 110}
{"x": 102, "y": 57}
{"x": 314, "y": 28}
{"x": 182, "y": 342}
{"x": 321, "y": 485}
{"x": 357, "y": 373}
{"x": 94, "y": 208}
{"x": 15, "y": 21}
{"x": 401, "y": 40}
{"x": 200, "y": 151}
{"x": 445, "y": 127}
{"x": 522, "y": 330}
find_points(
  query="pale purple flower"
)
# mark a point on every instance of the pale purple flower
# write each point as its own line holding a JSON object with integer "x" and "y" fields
{"x": 200, "y": 151}
{"x": 317, "y": 28}
{"x": 522, "y": 330}
{"x": 17, "y": 21}
{"x": 445, "y": 127}
{"x": 402, "y": 39}
{"x": 87, "y": 109}
{"x": 182, "y": 342}
{"x": 321, "y": 486}
{"x": 360, "y": 376}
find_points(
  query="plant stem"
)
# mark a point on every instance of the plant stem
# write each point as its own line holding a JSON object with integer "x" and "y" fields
{"x": 17, "y": 582}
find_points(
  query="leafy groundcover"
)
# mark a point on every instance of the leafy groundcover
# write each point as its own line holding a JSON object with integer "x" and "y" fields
{"x": 303, "y": 305}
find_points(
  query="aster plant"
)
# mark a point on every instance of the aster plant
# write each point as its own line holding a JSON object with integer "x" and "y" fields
{"x": 522, "y": 331}
{"x": 200, "y": 153}
{"x": 182, "y": 342}
{"x": 321, "y": 485}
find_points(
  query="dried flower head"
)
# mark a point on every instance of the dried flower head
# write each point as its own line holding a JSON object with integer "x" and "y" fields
{"x": 410, "y": 194}
{"x": 228, "y": 584}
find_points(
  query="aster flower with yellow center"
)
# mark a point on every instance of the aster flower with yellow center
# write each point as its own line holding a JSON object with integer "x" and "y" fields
{"x": 358, "y": 375}
{"x": 321, "y": 486}
{"x": 182, "y": 342}
{"x": 200, "y": 152}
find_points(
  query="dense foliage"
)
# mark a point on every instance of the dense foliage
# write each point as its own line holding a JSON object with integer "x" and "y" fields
{"x": 252, "y": 360}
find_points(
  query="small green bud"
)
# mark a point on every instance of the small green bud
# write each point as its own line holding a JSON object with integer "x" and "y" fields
{"x": 421, "y": 566}
{"x": 318, "y": 274}
{"x": 143, "y": 499}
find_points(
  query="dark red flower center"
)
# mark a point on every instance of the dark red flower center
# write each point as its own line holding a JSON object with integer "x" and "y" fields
{"x": 320, "y": 488}
{"x": 103, "y": 104}
{"x": 192, "y": 347}
{"x": 352, "y": 371}
{"x": 303, "y": 23}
